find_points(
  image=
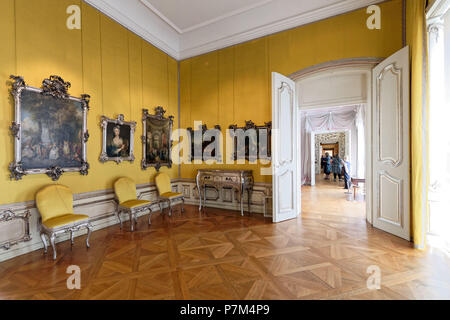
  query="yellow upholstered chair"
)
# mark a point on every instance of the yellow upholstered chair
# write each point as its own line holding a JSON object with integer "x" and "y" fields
{"x": 55, "y": 205}
{"x": 165, "y": 192}
{"x": 125, "y": 190}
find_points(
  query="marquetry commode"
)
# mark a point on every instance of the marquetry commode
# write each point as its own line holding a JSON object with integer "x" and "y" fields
{"x": 239, "y": 180}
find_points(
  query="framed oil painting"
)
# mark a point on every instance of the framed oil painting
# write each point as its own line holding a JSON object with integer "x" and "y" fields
{"x": 255, "y": 146}
{"x": 50, "y": 129}
{"x": 200, "y": 142}
{"x": 157, "y": 139}
{"x": 118, "y": 139}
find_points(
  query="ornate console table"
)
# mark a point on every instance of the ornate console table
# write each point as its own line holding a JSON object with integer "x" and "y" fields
{"x": 239, "y": 180}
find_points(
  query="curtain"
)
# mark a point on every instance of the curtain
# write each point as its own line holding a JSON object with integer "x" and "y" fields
{"x": 417, "y": 38}
{"x": 322, "y": 121}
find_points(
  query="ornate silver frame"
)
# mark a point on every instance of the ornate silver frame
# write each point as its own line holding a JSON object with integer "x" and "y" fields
{"x": 159, "y": 115}
{"x": 119, "y": 121}
{"x": 251, "y": 125}
{"x": 56, "y": 87}
{"x": 202, "y": 129}
{"x": 9, "y": 215}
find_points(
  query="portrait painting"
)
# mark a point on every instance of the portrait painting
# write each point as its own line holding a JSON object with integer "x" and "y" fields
{"x": 157, "y": 141}
{"x": 50, "y": 129}
{"x": 118, "y": 137}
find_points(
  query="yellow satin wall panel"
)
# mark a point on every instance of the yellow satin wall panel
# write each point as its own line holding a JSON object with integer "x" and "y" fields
{"x": 241, "y": 75}
{"x": 122, "y": 73}
{"x": 7, "y": 67}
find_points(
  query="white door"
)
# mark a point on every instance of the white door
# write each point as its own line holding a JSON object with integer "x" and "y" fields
{"x": 285, "y": 149}
{"x": 390, "y": 132}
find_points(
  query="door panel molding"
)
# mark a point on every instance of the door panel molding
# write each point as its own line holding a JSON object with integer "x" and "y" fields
{"x": 393, "y": 160}
{"x": 286, "y": 130}
{"x": 398, "y": 183}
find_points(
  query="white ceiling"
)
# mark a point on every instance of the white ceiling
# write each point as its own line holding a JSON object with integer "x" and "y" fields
{"x": 186, "y": 28}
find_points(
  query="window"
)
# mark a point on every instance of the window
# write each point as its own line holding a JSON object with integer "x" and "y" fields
{"x": 438, "y": 18}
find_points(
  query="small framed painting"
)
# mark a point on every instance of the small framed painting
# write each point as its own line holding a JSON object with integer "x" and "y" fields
{"x": 157, "y": 139}
{"x": 118, "y": 139}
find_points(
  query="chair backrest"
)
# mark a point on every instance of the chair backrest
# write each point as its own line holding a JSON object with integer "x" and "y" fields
{"x": 125, "y": 189}
{"x": 53, "y": 201}
{"x": 163, "y": 183}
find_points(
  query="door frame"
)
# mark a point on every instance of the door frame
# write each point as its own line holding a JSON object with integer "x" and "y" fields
{"x": 313, "y": 149}
{"x": 364, "y": 67}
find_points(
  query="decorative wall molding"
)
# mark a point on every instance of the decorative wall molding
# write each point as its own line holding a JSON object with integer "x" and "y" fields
{"x": 330, "y": 65}
{"x": 100, "y": 206}
{"x": 8, "y": 218}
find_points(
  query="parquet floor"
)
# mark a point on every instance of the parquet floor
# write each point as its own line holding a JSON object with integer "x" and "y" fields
{"x": 220, "y": 255}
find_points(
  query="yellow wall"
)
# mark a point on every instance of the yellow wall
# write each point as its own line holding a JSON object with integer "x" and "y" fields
{"x": 123, "y": 74}
{"x": 232, "y": 85}
{"x": 120, "y": 71}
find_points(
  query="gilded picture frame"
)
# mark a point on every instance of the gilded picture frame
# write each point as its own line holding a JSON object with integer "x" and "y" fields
{"x": 50, "y": 129}
{"x": 157, "y": 139}
{"x": 118, "y": 139}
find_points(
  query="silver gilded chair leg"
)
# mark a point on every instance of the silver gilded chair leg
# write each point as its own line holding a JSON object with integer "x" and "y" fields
{"x": 120, "y": 220}
{"x": 71, "y": 238}
{"x": 131, "y": 222}
{"x": 45, "y": 242}
{"x": 150, "y": 217}
{"x": 89, "y": 227}
{"x": 170, "y": 208}
{"x": 182, "y": 205}
{"x": 52, "y": 242}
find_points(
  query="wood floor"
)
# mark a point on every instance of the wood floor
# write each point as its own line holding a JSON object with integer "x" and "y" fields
{"x": 220, "y": 255}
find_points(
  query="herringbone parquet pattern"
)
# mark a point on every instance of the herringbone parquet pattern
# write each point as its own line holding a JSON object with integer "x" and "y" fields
{"x": 219, "y": 255}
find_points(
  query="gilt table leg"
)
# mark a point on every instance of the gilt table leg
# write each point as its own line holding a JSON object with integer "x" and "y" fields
{"x": 199, "y": 193}
{"x": 249, "y": 194}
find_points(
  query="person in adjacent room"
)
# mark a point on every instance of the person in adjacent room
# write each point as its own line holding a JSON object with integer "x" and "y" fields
{"x": 322, "y": 163}
{"x": 336, "y": 167}
{"x": 327, "y": 168}
{"x": 347, "y": 171}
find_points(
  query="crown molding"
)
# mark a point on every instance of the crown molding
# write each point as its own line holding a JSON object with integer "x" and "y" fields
{"x": 207, "y": 22}
{"x": 278, "y": 26}
{"x": 163, "y": 34}
{"x": 127, "y": 22}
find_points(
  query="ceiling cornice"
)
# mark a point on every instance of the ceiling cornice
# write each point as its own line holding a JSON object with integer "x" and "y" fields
{"x": 138, "y": 29}
{"x": 205, "y": 23}
{"x": 278, "y": 26}
{"x": 179, "y": 47}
